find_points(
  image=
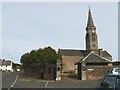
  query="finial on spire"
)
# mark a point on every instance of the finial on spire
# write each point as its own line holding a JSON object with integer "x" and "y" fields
{"x": 89, "y": 6}
{"x": 90, "y": 20}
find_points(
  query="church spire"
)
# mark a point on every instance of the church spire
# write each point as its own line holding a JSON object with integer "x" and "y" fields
{"x": 91, "y": 35}
{"x": 90, "y": 22}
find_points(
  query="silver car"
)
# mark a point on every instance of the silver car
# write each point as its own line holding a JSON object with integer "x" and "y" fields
{"x": 111, "y": 81}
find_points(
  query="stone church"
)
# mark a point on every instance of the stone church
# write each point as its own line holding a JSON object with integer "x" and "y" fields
{"x": 89, "y": 64}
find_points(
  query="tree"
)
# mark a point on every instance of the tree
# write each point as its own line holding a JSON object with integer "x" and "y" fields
{"x": 16, "y": 66}
{"x": 40, "y": 56}
{"x": 116, "y": 63}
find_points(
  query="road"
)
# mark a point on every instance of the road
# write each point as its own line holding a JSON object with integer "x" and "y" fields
{"x": 8, "y": 79}
{"x": 14, "y": 81}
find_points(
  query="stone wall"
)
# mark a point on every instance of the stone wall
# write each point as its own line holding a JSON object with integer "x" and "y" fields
{"x": 96, "y": 72}
{"x": 69, "y": 63}
{"x": 44, "y": 71}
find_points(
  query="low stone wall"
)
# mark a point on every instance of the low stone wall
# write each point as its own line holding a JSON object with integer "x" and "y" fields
{"x": 31, "y": 72}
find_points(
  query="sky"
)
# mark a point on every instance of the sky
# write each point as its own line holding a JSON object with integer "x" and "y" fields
{"x": 33, "y": 25}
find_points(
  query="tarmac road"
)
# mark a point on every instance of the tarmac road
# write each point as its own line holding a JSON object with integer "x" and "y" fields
{"x": 28, "y": 83}
{"x": 8, "y": 79}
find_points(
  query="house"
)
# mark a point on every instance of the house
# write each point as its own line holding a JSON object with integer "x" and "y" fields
{"x": 93, "y": 67}
{"x": 3, "y": 65}
{"x": 9, "y": 66}
{"x": 86, "y": 63}
{"x": 6, "y": 65}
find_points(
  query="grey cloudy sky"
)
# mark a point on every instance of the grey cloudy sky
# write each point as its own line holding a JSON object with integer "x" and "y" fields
{"x": 28, "y": 26}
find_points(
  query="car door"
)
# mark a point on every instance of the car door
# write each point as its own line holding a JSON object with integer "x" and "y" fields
{"x": 118, "y": 83}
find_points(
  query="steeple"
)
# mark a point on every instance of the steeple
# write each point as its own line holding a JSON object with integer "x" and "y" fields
{"x": 91, "y": 35}
{"x": 90, "y": 22}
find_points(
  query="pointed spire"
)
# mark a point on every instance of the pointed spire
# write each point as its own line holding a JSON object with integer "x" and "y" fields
{"x": 90, "y": 20}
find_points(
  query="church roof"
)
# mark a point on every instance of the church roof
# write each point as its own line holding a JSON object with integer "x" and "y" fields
{"x": 94, "y": 58}
{"x": 70, "y": 52}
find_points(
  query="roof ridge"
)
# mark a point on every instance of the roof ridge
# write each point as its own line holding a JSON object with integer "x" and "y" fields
{"x": 72, "y": 52}
{"x": 73, "y": 49}
{"x": 87, "y": 56}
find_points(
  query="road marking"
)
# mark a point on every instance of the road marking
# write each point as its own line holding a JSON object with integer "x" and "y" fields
{"x": 46, "y": 84}
{"x": 24, "y": 80}
{"x": 13, "y": 83}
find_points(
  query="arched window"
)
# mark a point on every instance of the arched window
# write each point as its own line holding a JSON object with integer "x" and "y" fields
{"x": 93, "y": 36}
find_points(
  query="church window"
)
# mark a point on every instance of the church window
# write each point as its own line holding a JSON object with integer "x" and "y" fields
{"x": 93, "y": 36}
{"x": 94, "y": 45}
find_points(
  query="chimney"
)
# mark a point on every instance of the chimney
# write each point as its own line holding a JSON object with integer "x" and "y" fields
{"x": 100, "y": 52}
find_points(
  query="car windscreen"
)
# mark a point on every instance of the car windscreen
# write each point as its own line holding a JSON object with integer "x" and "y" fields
{"x": 108, "y": 82}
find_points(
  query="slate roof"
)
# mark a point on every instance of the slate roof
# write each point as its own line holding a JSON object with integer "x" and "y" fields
{"x": 106, "y": 54}
{"x": 5, "y": 62}
{"x": 70, "y": 52}
{"x": 88, "y": 57}
{"x": 8, "y": 62}
{"x": 93, "y": 58}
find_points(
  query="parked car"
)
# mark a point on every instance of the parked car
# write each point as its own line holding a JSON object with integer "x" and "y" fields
{"x": 111, "y": 81}
{"x": 114, "y": 71}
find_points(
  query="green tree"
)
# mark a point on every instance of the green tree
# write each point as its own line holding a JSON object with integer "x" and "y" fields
{"x": 16, "y": 66}
{"x": 40, "y": 56}
{"x": 116, "y": 63}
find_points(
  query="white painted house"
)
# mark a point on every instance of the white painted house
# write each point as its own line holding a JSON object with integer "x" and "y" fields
{"x": 6, "y": 65}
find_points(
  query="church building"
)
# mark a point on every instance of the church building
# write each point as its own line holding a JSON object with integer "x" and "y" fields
{"x": 89, "y": 64}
